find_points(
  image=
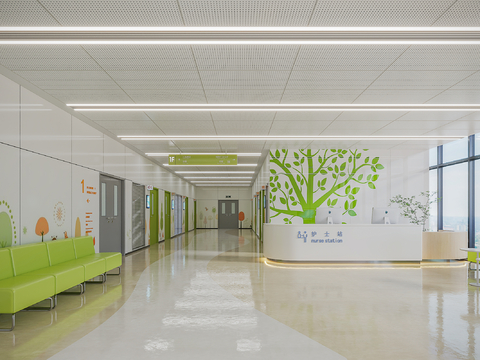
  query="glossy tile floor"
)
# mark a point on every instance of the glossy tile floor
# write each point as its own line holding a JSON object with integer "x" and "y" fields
{"x": 210, "y": 295}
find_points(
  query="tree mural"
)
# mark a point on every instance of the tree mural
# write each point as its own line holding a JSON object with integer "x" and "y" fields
{"x": 241, "y": 217}
{"x": 42, "y": 227}
{"x": 200, "y": 216}
{"x": 335, "y": 174}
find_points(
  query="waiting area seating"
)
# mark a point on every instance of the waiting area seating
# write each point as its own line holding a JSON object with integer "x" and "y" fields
{"x": 32, "y": 273}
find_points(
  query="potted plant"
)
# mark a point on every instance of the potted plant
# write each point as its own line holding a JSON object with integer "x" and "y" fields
{"x": 414, "y": 210}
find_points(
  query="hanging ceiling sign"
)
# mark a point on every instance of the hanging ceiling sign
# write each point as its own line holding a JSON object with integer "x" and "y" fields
{"x": 202, "y": 160}
{"x": 149, "y": 187}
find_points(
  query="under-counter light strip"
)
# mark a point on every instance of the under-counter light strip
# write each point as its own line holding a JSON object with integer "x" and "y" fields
{"x": 238, "y": 35}
{"x": 238, "y": 154}
{"x": 275, "y": 107}
{"x": 282, "y": 138}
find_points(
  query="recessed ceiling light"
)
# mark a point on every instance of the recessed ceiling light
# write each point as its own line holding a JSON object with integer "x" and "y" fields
{"x": 283, "y": 138}
{"x": 217, "y": 177}
{"x": 214, "y": 172}
{"x": 238, "y": 154}
{"x": 215, "y": 182}
{"x": 233, "y": 166}
{"x": 275, "y": 107}
{"x": 239, "y": 35}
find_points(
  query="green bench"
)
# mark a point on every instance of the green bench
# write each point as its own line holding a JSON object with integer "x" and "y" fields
{"x": 33, "y": 273}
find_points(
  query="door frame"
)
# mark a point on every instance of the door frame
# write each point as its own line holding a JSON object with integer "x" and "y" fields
{"x": 122, "y": 208}
{"x": 167, "y": 205}
{"x": 154, "y": 206}
{"x": 186, "y": 214}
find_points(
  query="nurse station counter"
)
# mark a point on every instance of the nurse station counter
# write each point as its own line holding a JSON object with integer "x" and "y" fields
{"x": 343, "y": 242}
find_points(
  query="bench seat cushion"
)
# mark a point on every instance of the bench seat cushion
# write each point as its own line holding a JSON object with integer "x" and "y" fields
{"x": 66, "y": 276}
{"x": 92, "y": 265}
{"x": 22, "y": 291}
{"x": 112, "y": 259}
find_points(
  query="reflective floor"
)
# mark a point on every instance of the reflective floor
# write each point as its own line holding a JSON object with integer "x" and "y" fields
{"x": 211, "y": 295}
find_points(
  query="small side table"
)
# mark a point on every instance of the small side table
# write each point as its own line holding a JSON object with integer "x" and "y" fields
{"x": 477, "y": 284}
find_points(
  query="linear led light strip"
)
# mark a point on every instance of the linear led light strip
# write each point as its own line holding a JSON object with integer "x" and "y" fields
{"x": 216, "y": 182}
{"x": 214, "y": 165}
{"x": 283, "y": 138}
{"x": 275, "y": 107}
{"x": 218, "y": 177}
{"x": 239, "y": 35}
{"x": 214, "y": 172}
{"x": 238, "y": 154}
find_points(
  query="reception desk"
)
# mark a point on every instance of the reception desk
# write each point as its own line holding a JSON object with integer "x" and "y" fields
{"x": 313, "y": 242}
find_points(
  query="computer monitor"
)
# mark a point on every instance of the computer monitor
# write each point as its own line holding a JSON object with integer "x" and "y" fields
{"x": 329, "y": 216}
{"x": 385, "y": 215}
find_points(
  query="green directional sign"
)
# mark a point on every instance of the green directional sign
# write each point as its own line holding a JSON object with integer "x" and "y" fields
{"x": 202, "y": 160}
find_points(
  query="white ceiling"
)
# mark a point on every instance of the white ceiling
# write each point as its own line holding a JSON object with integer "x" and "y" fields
{"x": 255, "y": 73}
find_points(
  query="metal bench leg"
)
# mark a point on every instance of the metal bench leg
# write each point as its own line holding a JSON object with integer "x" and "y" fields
{"x": 82, "y": 290}
{"x": 119, "y": 271}
{"x": 13, "y": 325}
{"x": 104, "y": 278}
{"x": 42, "y": 308}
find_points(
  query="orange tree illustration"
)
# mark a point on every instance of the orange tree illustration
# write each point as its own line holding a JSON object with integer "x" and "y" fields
{"x": 337, "y": 174}
{"x": 42, "y": 227}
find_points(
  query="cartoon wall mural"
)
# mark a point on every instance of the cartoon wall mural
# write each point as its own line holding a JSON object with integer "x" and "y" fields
{"x": 41, "y": 229}
{"x": 303, "y": 180}
{"x": 8, "y": 229}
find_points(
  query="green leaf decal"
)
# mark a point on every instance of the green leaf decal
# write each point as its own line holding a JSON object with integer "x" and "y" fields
{"x": 355, "y": 190}
{"x": 353, "y": 204}
{"x": 323, "y": 172}
{"x": 324, "y": 181}
{"x": 343, "y": 166}
{"x": 273, "y": 171}
{"x": 296, "y": 155}
{"x": 286, "y": 185}
{"x": 352, "y": 213}
{"x": 367, "y": 159}
{"x": 334, "y": 202}
{"x": 375, "y": 160}
{"x": 334, "y": 160}
{"x": 277, "y": 154}
{"x": 371, "y": 186}
{"x": 296, "y": 163}
{"x": 345, "y": 205}
{"x": 379, "y": 167}
{"x": 374, "y": 177}
{"x": 347, "y": 189}
{"x": 360, "y": 177}
{"x": 283, "y": 201}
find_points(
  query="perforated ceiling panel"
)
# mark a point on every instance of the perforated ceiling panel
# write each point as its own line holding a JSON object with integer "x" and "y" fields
{"x": 462, "y": 13}
{"x": 150, "y": 80}
{"x": 331, "y": 79}
{"x": 320, "y": 96}
{"x": 439, "y": 57}
{"x": 24, "y": 13}
{"x": 167, "y": 96}
{"x": 243, "y": 116}
{"x": 115, "y": 12}
{"x": 143, "y": 57}
{"x": 244, "y": 96}
{"x": 243, "y": 127}
{"x": 56, "y": 58}
{"x": 244, "y": 79}
{"x": 239, "y": 57}
{"x": 352, "y": 57}
{"x": 419, "y": 79}
{"x": 247, "y": 12}
{"x": 379, "y": 12}
{"x": 398, "y": 96}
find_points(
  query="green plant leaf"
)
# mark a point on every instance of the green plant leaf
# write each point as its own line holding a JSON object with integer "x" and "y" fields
{"x": 302, "y": 182}
{"x": 374, "y": 177}
{"x": 334, "y": 176}
{"x": 288, "y": 166}
{"x": 344, "y": 152}
{"x": 343, "y": 166}
{"x": 369, "y": 177}
{"x": 294, "y": 203}
{"x": 345, "y": 205}
{"x": 274, "y": 190}
{"x": 286, "y": 185}
{"x": 324, "y": 181}
{"x": 379, "y": 167}
{"x": 347, "y": 189}
{"x": 283, "y": 200}
{"x": 360, "y": 177}
{"x": 302, "y": 160}
{"x": 292, "y": 198}
{"x": 336, "y": 169}
{"x": 290, "y": 191}
{"x": 279, "y": 185}
{"x": 298, "y": 178}
{"x": 322, "y": 188}
{"x": 329, "y": 202}
{"x": 371, "y": 186}
{"x": 276, "y": 178}
{"x": 333, "y": 150}
{"x": 367, "y": 159}
{"x": 373, "y": 168}
{"x": 342, "y": 174}
{"x": 358, "y": 156}
{"x": 323, "y": 172}
{"x": 272, "y": 184}
{"x": 296, "y": 163}
{"x": 334, "y": 160}
{"x": 375, "y": 160}
{"x": 353, "y": 204}
{"x": 334, "y": 202}
{"x": 351, "y": 197}
{"x": 352, "y": 213}
{"x": 296, "y": 155}
{"x": 277, "y": 154}
{"x": 273, "y": 171}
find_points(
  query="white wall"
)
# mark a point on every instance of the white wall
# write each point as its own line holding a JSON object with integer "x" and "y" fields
{"x": 50, "y": 165}
{"x": 207, "y": 200}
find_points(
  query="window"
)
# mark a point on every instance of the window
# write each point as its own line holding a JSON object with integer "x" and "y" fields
{"x": 454, "y": 173}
